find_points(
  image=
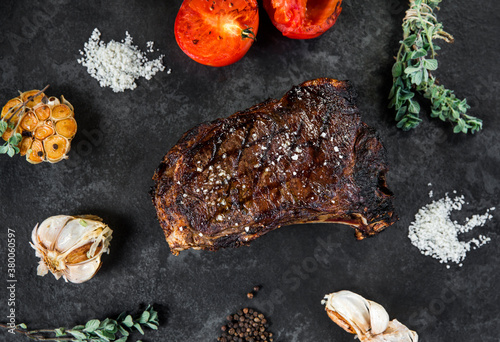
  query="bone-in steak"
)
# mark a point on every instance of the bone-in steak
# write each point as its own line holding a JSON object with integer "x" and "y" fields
{"x": 304, "y": 158}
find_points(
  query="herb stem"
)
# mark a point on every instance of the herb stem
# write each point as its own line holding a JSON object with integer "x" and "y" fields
{"x": 32, "y": 334}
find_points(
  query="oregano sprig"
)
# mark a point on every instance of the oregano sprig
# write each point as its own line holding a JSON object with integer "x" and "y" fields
{"x": 412, "y": 73}
{"x": 94, "y": 330}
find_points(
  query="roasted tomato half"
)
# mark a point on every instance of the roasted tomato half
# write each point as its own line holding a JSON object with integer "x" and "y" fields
{"x": 303, "y": 19}
{"x": 216, "y": 32}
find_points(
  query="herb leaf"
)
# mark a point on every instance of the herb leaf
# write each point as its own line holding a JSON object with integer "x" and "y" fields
{"x": 3, "y": 127}
{"x": 128, "y": 321}
{"x": 77, "y": 334}
{"x": 92, "y": 325}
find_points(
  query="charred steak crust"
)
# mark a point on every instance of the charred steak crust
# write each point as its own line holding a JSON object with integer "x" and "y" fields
{"x": 304, "y": 158}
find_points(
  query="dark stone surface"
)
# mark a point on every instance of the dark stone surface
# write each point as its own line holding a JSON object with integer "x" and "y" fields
{"x": 122, "y": 137}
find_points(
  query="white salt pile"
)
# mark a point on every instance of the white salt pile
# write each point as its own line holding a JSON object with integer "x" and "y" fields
{"x": 436, "y": 235}
{"x": 118, "y": 64}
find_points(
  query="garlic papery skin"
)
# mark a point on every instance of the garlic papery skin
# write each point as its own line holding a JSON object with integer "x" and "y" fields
{"x": 365, "y": 318}
{"x": 395, "y": 332}
{"x": 71, "y": 246}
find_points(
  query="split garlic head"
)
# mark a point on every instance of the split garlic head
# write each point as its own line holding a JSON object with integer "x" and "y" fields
{"x": 365, "y": 318}
{"x": 71, "y": 246}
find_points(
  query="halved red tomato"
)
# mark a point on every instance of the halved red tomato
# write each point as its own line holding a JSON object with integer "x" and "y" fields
{"x": 216, "y": 32}
{"x": 303, "y": 19}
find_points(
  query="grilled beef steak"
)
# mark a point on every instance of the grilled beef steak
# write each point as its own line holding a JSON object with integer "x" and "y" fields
{"x": 304, "y": 158}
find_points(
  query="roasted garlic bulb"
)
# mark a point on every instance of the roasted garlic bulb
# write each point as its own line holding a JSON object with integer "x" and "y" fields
{"x": 367, "y": 319}
{"x": 46, "y": 124}
{"x": 71, "y": 246}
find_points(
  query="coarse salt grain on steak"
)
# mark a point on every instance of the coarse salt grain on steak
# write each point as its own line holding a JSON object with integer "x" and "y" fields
{"x": 304, "y": 158}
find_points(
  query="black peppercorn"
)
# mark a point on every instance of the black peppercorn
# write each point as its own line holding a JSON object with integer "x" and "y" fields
{"x": 246, "y": 325}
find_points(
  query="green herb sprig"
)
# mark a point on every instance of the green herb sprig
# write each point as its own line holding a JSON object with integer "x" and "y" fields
{"x": 10, "y": 147}
{"x": 108, "y": 330}
{"x": 411, "y": 73}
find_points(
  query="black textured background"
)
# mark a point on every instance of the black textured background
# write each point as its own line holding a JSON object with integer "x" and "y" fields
{"x": 122, "y": 138}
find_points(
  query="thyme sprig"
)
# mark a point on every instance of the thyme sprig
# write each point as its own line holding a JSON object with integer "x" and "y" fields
{"x": 108, "y": 330}
{"x": 411, "y": 73}
{"x": 10, "y": 147}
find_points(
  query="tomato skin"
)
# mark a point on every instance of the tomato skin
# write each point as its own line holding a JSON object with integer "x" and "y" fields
{"x": 303, "y": 19}
{"x": 216, "y": 32}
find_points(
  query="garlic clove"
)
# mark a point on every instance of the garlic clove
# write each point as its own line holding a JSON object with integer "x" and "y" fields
{"x": 37, "y": 154}
{"x": 29, "y": 122}
{"x": 49, "y": 230}
{"x": 43, "y": 131}
{"x": 56, "y": 148}
{"x": 61, "y": 111}
{"x": 82, "y": 272}
{"x": 34, "y": 101}
{"x": 379, "y": 318}
{"x": 9, "y": 109}
{"x": 53, "y": 101}
{"x": 43, "y": 112}
{"x": 351, "y": 309}
{"x": 66, "y": 127}
{"x": 7, "y": 134}
{"x": 73, "y": 234}
{"x": 25, "y": 145}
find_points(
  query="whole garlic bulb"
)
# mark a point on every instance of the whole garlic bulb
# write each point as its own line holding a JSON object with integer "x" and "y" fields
{"x": 365, "y": 318}
{"x": 71, "y": 246}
